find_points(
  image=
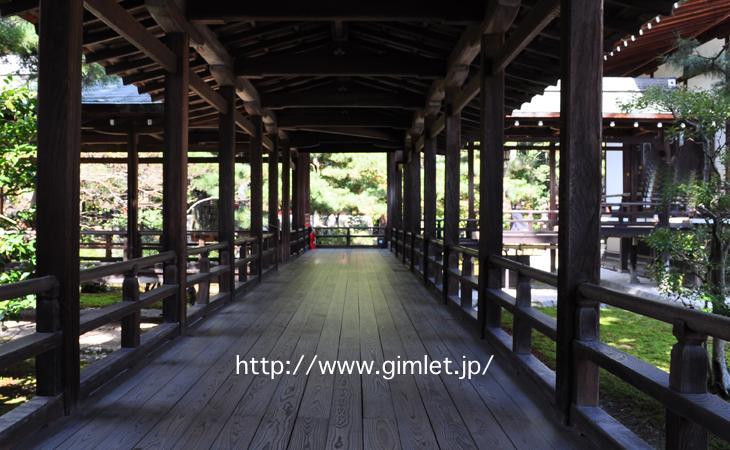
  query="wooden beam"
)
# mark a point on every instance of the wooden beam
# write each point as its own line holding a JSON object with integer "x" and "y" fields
{"x": 57, "y": 193}
{"x": 327, "y": 64}
{"x": 580, "y": 189}
{"x": 118, "y": 19}
{"x": 293, "y": 120}
{"x": 216, "y": 11}
{"x": 334, "y": 98}
{"x": 174, "y": 173}
{"x": 207, "y": 93}
{"x": 527, "y": 30}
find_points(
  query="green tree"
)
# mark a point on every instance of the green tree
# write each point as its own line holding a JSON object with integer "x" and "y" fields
{"x": 692, "y": 264}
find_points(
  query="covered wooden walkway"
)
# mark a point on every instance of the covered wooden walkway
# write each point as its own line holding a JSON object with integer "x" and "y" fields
{"x": 337, "y": 304}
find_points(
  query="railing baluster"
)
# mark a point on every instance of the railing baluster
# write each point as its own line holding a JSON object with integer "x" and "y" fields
{"x": 130, "y": 324}
{"x": 204, "y": 286}
{"x": 48, "y": 365}
{"x": 687, "y": 375}
{"x": 466, "y": 290}
{"x": 522, "y": 331}
{"x": 171, "y": 305}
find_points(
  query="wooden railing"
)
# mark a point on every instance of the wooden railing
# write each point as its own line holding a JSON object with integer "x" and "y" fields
{"x": 691, "y": 411}
{"x": 348, "y": 237}
{"x": 207, "y": 264}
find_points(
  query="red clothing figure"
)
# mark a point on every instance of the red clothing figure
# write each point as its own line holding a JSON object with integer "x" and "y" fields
{"x": 312, "y": 239}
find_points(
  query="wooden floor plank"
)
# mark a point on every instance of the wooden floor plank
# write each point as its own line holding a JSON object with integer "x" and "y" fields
{"x": 346, "y": 305}
{"x": 345, "y": 425}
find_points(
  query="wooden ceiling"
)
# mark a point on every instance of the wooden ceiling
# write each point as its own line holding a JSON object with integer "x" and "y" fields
{"x": 332, "y": 74}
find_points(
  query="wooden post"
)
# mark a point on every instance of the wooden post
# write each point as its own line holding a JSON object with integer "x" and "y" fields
{"x": 687, "y": 375}
{"x": 452, "y": 187}
{"x": 227, "y": 186}
{"x": 295, "y": 193}
{"x": 255, "y": 159}
{"x": 133, "y": 238}
{"x": 285, "y": 199}
{"x": 407, "y": 186}
{"x": 273, "y": 216}
{"x": 130, "y": 324}
{"x": 491, "y": 188}
{"x": 175, "y": 170}
{"x": 398, "y": 197}
{"x": 429, "y": 188}
{"x": 57, "y": 192}
{"x": 521, "y": 329}
{"x": 471, "y": 214}
{"x": 553, "y": 202}
{"x": 580, "y": 194}
{"x": 203, "y": 297}
{"x": 390, "y": 218}
{"x": 302, "y": 175}
{"x": 415, "y": 189}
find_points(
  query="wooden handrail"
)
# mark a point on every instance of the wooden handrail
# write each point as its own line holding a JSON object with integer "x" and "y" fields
{"x": 118, "y": 268}
{"x": 702, "y": 322}
{"x": 31, "y": 286}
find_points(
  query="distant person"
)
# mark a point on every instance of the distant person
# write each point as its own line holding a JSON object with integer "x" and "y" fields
{"x": 312, "y": 238}
{"x": 518, "y": 220}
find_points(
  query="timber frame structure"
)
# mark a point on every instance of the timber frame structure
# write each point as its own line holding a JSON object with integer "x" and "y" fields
{"x": 249, "y": 80}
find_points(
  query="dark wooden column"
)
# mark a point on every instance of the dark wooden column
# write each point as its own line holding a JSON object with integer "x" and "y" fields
{"x": 470, "y": 187}
{"x": 285, "y": 198}
{"x": 134, "y": 244}
{"x": 302, "y": 187}
{"x": 580, "y": 196}
{"x": 227, "y": 181}
{"x": 407, "y": 183}
{"x": 491, "y": 186}
{"x": 390, "y": 195}
{"x": 295, "y": 193}
{"x": 255, "y": 158}
{"x": 553, "y": 202}
{"x": 398, "y": 194}
{"x": 452, "y": 184}
{"x": 175, "y": 171}
{"x": 57, "y": 192}
{"x": 429, "y": 180}
{"x": 273, "y": 219}
{"x": 414, "y": 194}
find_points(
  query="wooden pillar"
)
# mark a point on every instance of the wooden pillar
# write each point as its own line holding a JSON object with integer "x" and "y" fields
{"x": 303, "y": 187}
{"x": 257, "y": 191}
{"x": 580, "y": 196}
{"x": 429, "y": 180}
{"x": 227, "y": 183}
{"x": 273, "y": 219}
{"x": 295, "y": 193}
{"x": 390, "y": 195}
{"x": 553, "y": 201}
{"x": 491, "y": 186}
{"x": 407, "y": 184}
{"x": 471, "y": 227}
{"x": 175, "y": 172}
{"x": 134, "y": 244}
{"x": 57, "y": 191}
{"x": 285, "y": 198}
{"x": 398, "y": 194}
{"x": 414, "y": 194}
{"x": 452, "y": 184}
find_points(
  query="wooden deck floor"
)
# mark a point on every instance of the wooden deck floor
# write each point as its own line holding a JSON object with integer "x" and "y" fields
{"x": 339, "y": 304}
